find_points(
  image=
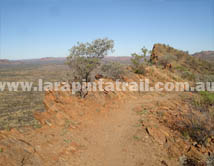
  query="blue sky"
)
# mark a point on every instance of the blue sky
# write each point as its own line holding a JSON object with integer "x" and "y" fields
{"x": 48, "y": 28}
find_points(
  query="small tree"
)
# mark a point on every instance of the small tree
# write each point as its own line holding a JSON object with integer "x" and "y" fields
{"x": 85, "y": 57}
{"x": 145, "y": 51}
{"x": 139, "y": 61}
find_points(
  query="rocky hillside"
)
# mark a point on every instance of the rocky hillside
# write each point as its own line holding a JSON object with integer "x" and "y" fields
{"x": 187, "y": 66}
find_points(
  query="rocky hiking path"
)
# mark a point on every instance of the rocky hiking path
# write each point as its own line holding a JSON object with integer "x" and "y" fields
{"x": 118, "y": 140}
{"x": 111, "y": 138}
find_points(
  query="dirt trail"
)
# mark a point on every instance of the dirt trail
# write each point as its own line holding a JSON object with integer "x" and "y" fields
{"x": 117, "y": 140}
{"x": 114, "y": 137}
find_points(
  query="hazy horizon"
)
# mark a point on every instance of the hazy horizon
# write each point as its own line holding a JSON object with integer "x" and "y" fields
{"x": 31, "y": 29}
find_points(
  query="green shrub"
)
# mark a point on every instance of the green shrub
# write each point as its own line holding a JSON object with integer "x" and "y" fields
{"x": 198, "y": 128}
{"x": 112, "y": 70}
{"x": 204, "y": 101}
{"x": 139, "y": 61}
{"x": 188, "y": 75}
{"x": 85, "y": 58}
{"x": 166, "y": 59}
{"x": 181, "y": 68}
{"x": 141, "y": 69}
{"x": 206, "y": 78}
{"x": 207, "y": 98}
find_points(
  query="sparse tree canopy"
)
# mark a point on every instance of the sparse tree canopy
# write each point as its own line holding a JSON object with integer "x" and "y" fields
{"x": 85, "y": 57}
{"x": 98, "y": 48}
{"x": 144, "y": 51}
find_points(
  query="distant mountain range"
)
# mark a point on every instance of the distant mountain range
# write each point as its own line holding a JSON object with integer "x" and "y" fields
{"x": 122, "y": 59}
{"x": 8, "y": 62}
{"x": 205, "y": 55}
{"x": 32, "y": 61}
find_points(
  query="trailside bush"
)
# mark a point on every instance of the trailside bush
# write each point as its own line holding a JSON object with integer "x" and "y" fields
{"x": 197, "y": 127}
{"x": 207, "y": 98}
{"x": 141, "y": 69}
{"x": 85, "y": 58}
{"x": 139, "y": 61}
{"x": 112, "y": 70}
{"x": 166, "y": 59}
{"x": 188, "y": 75}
